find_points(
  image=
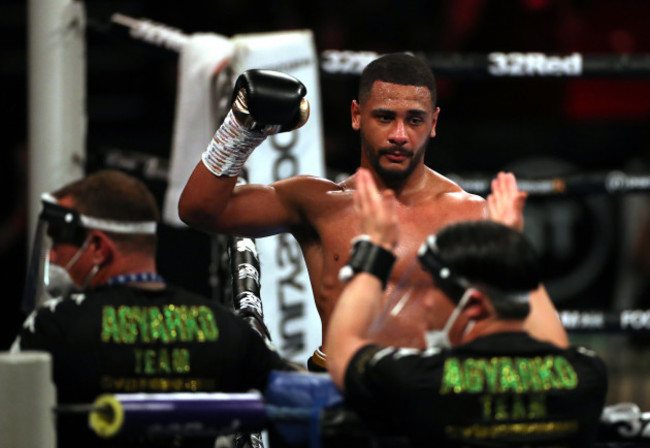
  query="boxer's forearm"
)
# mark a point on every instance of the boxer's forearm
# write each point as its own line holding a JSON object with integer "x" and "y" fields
{"x": 204, "y": 198}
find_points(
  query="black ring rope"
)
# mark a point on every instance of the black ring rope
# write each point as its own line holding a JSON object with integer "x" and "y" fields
{"x": 245, "y": 268}
{"x": 599, "y": 321}
{"x": 612, "y": 183}
{"x": 508, "y": 65}
{"x": 457, "y": 65}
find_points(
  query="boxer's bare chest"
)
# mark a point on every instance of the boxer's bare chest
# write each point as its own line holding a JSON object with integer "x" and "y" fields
{"x": 335, "y": 223}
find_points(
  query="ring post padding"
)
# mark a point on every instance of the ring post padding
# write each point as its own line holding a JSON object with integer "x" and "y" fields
{"x": 27, "y": 397}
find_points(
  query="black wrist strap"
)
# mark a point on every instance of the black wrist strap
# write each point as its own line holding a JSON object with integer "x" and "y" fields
{"x": 368, "y": 257}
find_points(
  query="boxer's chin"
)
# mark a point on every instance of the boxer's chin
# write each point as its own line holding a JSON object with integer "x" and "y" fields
{"x": 390, "y": 171}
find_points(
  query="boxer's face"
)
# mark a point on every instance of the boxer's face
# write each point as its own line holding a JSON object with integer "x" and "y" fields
{"x": 395, "y": 123}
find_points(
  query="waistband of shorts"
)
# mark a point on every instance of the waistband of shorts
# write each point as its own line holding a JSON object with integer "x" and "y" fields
{"x": 319, "y": 358}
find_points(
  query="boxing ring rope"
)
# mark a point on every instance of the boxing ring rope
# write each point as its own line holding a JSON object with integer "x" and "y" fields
{"x": 598, "y": 321}
{"x": 612, "y": 183}
{"x": 495, "y": 64}
{"x": 212, "y": 414}
{"x": 621, "y": 423}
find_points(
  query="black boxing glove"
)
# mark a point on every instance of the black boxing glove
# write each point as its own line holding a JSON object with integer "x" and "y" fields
{"x": 265, "y": 102}
{"x": 270, "y": 101}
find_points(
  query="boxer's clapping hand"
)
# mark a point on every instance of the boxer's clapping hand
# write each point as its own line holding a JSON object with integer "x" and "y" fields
{"x": 506, "y": 202}
{"x": 377, "y": 211}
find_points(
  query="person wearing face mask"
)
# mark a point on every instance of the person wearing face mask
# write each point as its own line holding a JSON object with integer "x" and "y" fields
{"x": 480, "y": 381}
{"x": 112, "y": 324}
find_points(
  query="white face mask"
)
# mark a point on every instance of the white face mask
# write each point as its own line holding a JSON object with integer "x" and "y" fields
{"x": 58, "y": 281}
{"x": 440, "y": 338}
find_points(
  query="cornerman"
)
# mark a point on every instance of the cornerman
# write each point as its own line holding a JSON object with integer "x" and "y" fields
{"x": 482, "y": 380}
{"x": 113, "y": 325}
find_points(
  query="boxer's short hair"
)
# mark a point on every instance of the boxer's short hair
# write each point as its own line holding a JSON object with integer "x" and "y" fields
{"x": 397, "y": 68}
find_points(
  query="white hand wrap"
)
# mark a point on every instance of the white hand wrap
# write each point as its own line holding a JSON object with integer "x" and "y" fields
{"x": 230, "y": 147}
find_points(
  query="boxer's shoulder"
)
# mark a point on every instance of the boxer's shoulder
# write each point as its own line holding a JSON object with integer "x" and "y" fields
{"x": 309, "y": 189}
{"x": 442, "y": 188}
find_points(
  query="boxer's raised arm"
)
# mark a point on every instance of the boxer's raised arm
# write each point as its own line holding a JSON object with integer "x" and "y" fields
{"x": 211, "y": 204}
{"x": 264, "y": 103}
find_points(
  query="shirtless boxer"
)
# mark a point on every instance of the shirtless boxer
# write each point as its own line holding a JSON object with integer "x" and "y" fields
{"x": 395, "y": 115}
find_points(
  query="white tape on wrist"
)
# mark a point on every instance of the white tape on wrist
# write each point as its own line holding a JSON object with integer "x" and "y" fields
{"x": 230, "y": 147}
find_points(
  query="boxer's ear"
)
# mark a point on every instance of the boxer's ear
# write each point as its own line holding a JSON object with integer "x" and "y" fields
{"x": 355, "y": 112}
{"x": 434, "y": 122}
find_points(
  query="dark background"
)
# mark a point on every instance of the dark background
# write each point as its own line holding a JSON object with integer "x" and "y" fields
{"x": 535, "y": 126}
